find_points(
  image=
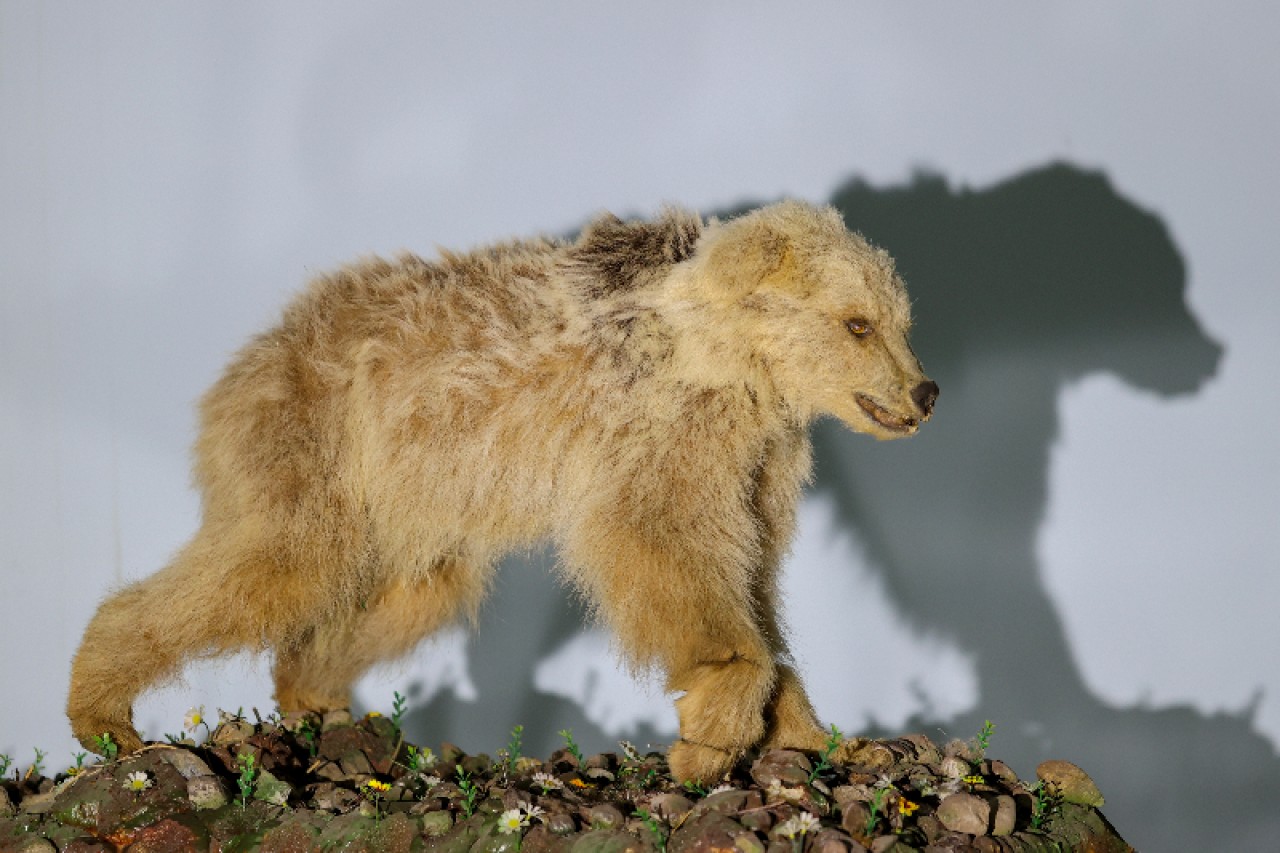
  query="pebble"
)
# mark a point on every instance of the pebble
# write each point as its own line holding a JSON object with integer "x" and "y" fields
{"x": 1072, "y": 783}
{"x": 334, "y": 719}
{"x": 1005, "y": 815}
{"x": 785, "y": 766}
{"x": 187, "y": 763}
{"x": 965, "y": 813}
{"x": 206, "y": 792}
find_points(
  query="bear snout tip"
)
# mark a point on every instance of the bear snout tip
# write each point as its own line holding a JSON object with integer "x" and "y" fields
{"x": 924, "y": 395}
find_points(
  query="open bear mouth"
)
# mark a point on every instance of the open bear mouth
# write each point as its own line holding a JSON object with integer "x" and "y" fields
{"x": 884, "y": 417}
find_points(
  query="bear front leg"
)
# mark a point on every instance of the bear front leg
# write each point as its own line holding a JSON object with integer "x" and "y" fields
{"x": 688, "y": 610}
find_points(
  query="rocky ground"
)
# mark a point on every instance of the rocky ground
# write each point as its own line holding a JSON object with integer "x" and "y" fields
{"x": 307, "y": 784}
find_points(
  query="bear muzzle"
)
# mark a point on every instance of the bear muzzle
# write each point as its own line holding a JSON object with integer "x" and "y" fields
{"x": 924, "y": 395}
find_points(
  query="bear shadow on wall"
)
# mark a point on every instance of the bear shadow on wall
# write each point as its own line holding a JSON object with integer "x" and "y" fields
{"x": 1018, "y": 290}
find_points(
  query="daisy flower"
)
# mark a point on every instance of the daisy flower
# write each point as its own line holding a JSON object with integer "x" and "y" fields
{"x": 512, "y": 820}
{"x": 138, "y": 781}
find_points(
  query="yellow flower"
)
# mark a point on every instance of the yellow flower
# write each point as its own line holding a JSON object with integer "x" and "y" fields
{"x": 907, "y": 807}
{"x": 378, "y": 786}
{"x": 974, "y": 780}
{"x": 578, "y": 783}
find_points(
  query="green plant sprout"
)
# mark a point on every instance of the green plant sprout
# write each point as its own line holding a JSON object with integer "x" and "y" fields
{"x": 399, "y": 704}
{"x": 6, "y": 761}
{"x": 983, "y": 740}
{"x": 877, "y": 805}
{"x": 659, "y": 837}
{"x": 470, "y": 792}
{"x": 1045, "y": 803}
{"x": 571, "y": 746}
{"x": 829, "y": 749}
{"x": 511, "y": 753}
{"x": 78, "y": 767}
{"x": 106, "y": 747}
{"x": 696, "y": 788}
{"x": 37, "y": 766}
{"x": 248, "y": 777}
{"x": 309, "y": 733}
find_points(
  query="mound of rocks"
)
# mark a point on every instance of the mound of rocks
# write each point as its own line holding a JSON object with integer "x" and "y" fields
{"x": 302, "y": 784}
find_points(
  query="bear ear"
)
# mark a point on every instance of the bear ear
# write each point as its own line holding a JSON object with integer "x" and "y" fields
{"x": 739, "y": 255}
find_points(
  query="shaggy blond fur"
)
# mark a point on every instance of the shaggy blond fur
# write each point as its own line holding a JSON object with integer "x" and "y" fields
{"x": 641, "y": 396}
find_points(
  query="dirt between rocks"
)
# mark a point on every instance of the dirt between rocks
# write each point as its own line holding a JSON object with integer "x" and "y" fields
{"x": 304, "y": 784}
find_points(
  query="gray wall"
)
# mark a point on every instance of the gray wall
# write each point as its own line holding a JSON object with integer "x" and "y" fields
{"x": 1081, "y": 197}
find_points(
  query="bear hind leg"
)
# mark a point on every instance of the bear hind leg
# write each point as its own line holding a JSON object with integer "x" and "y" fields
{"x": 144, "y": 633}
{"x": 316, "y": 672}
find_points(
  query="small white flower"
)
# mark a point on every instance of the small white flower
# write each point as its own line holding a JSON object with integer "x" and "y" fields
{"x": 720, "y": 789}
{"x": 137, "y": 781}
{"x": 512, "y": 820}
{"x": 533, "y": 812}
{"x": 884, "y": 783}
{"x": 547, "y": 782}
{"x": 431, "y": 781}
{"x": 194, "y": 717}
{"x": 423, "y": 758}
{"x": 802, "y": 824}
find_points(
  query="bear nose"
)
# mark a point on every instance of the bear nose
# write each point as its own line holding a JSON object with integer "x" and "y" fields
{"x": 924, "y": 394}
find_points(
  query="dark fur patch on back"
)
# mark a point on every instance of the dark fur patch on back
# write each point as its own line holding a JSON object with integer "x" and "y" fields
{"x": 617, "y": 256}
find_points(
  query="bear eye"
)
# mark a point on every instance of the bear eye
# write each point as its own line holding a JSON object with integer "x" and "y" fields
{"x": 858, "y": 328}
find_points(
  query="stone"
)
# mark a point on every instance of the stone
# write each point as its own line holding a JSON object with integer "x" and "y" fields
{"x": 855, "y": 818}
{"x": 830, "y": 841}
{"x": 1004, "y": 772}
{"x": 967, "y": 813}
{"x": 1004, "y": 815}
{"x": 436, "y": 824}
{"x": 926, "y": 750}
{"x": 291, "y": 837}
{"x": 355, "y": 763}
{"x": 330, "y": 770}
{"x": 725, "y": 802}
{"x": 1072, "y": 783}
{"x": 335, "y": 719}
{"x": 231, "y": 731}
{"x": 609, "y": 841}
{"x": 206, "y": 792}
{"x": 670, "y": 807}
{"x": 269, "y": 789}
{"x": 603, "y": 816}
{"x": 39, "y": 803}
{"x": 166, "y": 836}
{"x": 784, "y": 766}
{"x": 88, "y": 845}
{"x": 955, "y": 768}
{"x": 35, "y": 844}
{"x": 187, "y": 763}
{"x": 890, "y": 844}
{"x": 560, "y": 823}
{"x": 709, "y": 833}
{"x": 747, "y": 842}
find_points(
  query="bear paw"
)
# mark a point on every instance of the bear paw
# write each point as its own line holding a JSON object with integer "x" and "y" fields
{"x": 122, "y": 735}
{"x": 696, "y": 762}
